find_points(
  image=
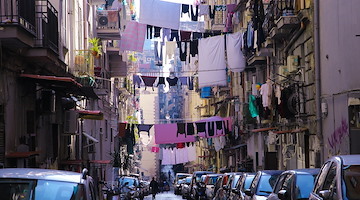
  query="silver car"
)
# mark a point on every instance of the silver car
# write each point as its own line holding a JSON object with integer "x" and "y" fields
{"x": 339, "y": 179}
{"x": 38, "y": 184}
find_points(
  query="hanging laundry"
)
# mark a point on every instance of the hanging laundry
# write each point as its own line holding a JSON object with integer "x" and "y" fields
{"x": 252, "y": 106}
{"x": 158, "y": 53}
{"x": 167, "y": 134}
{"x": 185, "y": 9}
{"x": 191, "y": 83}
{"x": 180, "y": 145}
{"x": 212, "y": 62}
{"x": 160, "y": 13}
{"x": 149, "y": 32}
{"x": 211, "y": 129}
{"x": 157, "y": 31}
{"x": 219, "y": 128}
{"x": 170, "y": 49}
{"x": 155, "y": 149}
{"x": 174, "y": 35}
{"x": 166, "y": 34}
{"x": 183, "y": 80}
{"x": 137, "y": 80}
{"x": 181, "y": 129}
{"x": 192, "y": 153}
{"x": 122, "y": 130}
{"x": 235, "y": 58}
{"x": 161, "y": 81}
{"x": 196, "y": 35}
{"x": 173, "y": 81}
{"x": 194, "y": 15}
{"x": 190, "y": 129}
{"x": 144, "y": 127}
{"x": 133, "y": 37}
{"x": 201, "y": 128}
{"x": 185, "y": 35}
{"x": 149, "y": 81}
{"x": 183, "y": 47}
{"x": 194, "y": 47}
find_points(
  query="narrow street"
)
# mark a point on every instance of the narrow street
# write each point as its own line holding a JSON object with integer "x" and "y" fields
{"x": 164, "y": 195}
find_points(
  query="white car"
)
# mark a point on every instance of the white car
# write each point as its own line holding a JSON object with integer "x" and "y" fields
{"x": 38, "y": 184}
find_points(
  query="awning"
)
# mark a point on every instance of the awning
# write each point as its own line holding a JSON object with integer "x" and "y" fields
{"x": 91, "y": 114}
{"x": 54, "y": 79}
{"x": 25, "y": 154}
{"x": 263, "y": 129}
{"x": 100, "y": 161}
{"x": 66, "y": 84}
{"x": 90, "y": 137}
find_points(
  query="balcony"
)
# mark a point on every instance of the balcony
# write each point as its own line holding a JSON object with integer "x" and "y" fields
{"x": 17, "y": 23}
{"x": 83, "y": 63}
{"x": 45, "y": 51}
{"x": 108, "y": 24}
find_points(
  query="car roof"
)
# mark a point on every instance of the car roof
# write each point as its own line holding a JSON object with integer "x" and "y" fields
{"x": 202, "y": 172}
{"x": 311, "y": 171}
{"x": 214, "y": 174}
{"x": 271, "y": 172}
{"x": 41, "y": 174}
{"x": 349, "y": 159}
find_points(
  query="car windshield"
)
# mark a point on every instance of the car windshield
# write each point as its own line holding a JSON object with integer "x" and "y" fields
{"x": 352, "y": 181}
{"x": 198, "y": 177}
{"x": 305, "y": 183}
{"x": 130, "y": 181}
{"x": 247, "y": 183}
{"x": 188, "y": 180}
{"x": 266, "y": 185}
{"x": 212, "y": 180}
{"x": 41, "y": 189}
{"x": 236, "y": 178}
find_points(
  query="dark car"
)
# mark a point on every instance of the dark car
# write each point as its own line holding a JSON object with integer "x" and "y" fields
{"x": 263, "y": 184}
{"x": 243, "y": 184}
{"x": 231, "y": 184}
{"x": 197, "y": 189}
{"x": 177, "y": 183}
{"x": 339, "y": 179}
{"x": 294, "y": 184}
{"x": 37, "y": 184}
{"x": 220, "y": 185}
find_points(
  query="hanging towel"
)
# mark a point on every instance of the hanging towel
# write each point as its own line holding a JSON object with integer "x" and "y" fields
{"x": 192, "y": 153}
{"x": 149, "y": 81}
{"x": 167, "y": 133}
{"x": 212, "y": 62}
{"x": 160, "y": 13}
{"x": 133, "y": 37}
{"x": 235, "y": 57}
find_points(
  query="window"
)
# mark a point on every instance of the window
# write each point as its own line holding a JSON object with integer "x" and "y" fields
{"x": 279, "y": 183}
{"x": 322, "y": 176}
{"x": 330, "y": 178}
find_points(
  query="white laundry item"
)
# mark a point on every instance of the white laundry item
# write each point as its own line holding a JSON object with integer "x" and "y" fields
{"x": 217, "y": 144}
{"x": 172, "y": 157}
{"x": 166, "y": 157}
{"x": 192, "y": 153}
{"x": 203, "y": 9}
{"x": 235, "y": 57}
{"x": 160, "y": 13}
{"x": 170, "y": 49}
{"x": 278, "y": 94}
{"x": 212, "y": 62}
{"x": 177, "y": 156}
{"x": 185, "y": 155}
{"x": 222, "y": 141}
{"x": 266, "y": 92}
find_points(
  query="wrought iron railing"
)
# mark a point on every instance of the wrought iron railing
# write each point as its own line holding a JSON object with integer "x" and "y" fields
{"x": 18, "y": 12}
{"x": 47, "y": 33}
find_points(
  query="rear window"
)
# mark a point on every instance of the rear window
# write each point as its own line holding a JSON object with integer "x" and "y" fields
{"x": 41, "y": 189}
{"x": 266, "y": 185}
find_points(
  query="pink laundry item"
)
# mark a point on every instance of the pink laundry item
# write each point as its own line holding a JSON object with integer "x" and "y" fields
{"x": 133, "y": 37}
{"x": 155, "y": 149}
{"x": 167, "y": 134}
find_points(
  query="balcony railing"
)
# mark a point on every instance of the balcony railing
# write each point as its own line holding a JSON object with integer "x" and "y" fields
{"x": 18, "y": 12}
{"x": 47, "y": 33}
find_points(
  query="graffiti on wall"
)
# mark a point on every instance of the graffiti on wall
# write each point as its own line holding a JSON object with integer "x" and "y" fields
{"x": 337, "y": 137}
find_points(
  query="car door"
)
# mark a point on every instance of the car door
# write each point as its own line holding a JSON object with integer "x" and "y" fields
{"x": 326, "y": 183}
{"x": 277, "y": 187}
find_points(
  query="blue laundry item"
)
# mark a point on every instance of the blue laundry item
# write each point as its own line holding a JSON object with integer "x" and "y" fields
{"x": 205, "y": 92}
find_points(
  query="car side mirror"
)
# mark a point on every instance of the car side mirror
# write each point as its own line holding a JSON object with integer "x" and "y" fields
{"x": 248, "y": 192}
{"x": 325, "y": 194}
{"x": 282, "y": 194}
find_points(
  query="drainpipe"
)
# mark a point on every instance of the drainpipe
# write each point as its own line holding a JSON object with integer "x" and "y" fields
{"x": 319, "y": 128}
{"x": 295, "y": 37}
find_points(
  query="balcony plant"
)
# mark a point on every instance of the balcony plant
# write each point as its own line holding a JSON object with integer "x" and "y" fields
{"x": 95, "y": 46}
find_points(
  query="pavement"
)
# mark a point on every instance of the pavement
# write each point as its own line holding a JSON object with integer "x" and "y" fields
{"x": 164, "y": 195}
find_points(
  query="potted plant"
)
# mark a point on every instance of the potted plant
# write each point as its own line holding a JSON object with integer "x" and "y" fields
{"x": 95, "y": 46}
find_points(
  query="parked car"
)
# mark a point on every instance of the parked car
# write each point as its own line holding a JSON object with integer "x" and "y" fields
{"x": 294, "y": 184}
{"x": 197, "y": 189}
{"x": 129, "y": 187}
{"x": 339, "y": 178}
{"x": 145, "y": 187}
{"x": 219, "y": 191}
{"x": 210, "y": 181}
{"x": 36, "y": 184}
{"x": 231, "y": 184}
{"x": 177, "y": 184}
{"x": 262, "y": 185}
{"x": 185, "y": 188}
{"x": 243, "y": 184}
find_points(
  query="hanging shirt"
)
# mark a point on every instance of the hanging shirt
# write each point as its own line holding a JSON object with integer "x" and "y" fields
{"x": 252, "y": 106}
{"x": 172, "y": 81}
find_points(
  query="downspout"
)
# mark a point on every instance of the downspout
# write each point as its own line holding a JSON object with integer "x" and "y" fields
{"x": 319, "y": 127}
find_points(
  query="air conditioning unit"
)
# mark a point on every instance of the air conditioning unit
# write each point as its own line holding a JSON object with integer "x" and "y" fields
{"x": 108, "y": 19}
{"x": 292, "y": 63}
{"x": 283, "y": 72}
{"x": 71, "y": 122}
